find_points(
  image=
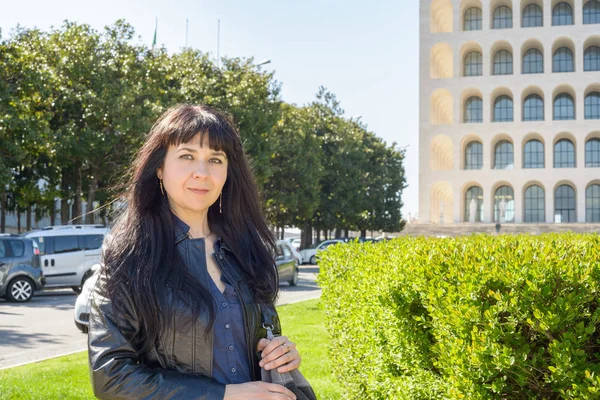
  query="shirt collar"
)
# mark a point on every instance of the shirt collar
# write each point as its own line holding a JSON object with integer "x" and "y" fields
{"x": 182, "y": 229}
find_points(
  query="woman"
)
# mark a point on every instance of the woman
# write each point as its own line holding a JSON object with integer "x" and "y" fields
{"x": 188, "y": 276}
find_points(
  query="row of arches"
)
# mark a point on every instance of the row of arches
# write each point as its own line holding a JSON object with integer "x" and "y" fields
{"x": 502, "y": 60}
{"x": 502, "y": 105}
{"x": 502, "y": 152}
{"x": 501, "y": 14}
{"x": 533, "y": 201}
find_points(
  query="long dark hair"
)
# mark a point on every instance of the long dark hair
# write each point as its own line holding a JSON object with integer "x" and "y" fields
{"x": 141, "y": 254}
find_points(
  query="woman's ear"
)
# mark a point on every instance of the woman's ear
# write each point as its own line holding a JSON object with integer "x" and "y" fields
{"x": 159, "y": 173}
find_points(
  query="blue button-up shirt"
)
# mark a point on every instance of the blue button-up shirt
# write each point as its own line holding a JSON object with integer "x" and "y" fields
{"x": 230, "y": 356}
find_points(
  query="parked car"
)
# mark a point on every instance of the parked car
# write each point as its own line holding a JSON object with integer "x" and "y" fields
{"x": 294, "y": 251}
{"x": 20, "y": 271}
{"x": 310, "y": 254}
{"x": 83, "y": 303}
{"x": 287, "y": 263}
{"x": 295, "y": 242}
{"x": 68, "y": 253}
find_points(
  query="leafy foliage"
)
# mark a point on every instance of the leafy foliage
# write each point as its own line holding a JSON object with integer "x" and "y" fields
{"x": 481, "y": 317}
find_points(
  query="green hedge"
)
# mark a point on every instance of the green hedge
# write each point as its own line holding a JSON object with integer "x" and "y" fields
{"x": 480, "y": 317}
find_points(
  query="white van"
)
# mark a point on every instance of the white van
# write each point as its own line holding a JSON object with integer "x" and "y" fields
{"x": 68, "y": 253}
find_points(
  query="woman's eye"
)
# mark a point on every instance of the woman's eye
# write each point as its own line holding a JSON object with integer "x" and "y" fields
{"x": 216, "y": 160}
{"x": 187, "y": 157}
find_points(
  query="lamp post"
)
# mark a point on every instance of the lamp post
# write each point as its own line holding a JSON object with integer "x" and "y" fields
{"x": 264, "y": 62}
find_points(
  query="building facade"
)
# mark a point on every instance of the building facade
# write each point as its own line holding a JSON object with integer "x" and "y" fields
{"x": 509, "y": 111}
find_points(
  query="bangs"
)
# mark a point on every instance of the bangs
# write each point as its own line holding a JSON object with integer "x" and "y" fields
{"x": 184, "y": 123}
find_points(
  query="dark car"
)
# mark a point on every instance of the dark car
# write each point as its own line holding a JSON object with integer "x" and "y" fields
{"x": 20, "y": 269}
{"x": 287, "y": 264}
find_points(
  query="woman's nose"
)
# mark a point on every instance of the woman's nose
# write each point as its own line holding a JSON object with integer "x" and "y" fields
{"x": 201, "y": 170}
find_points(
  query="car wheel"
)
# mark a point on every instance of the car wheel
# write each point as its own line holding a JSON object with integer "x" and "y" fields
{"x": 313, "y": 260}
{"x": 19, "y": 290}
{"x": 77, "y": 289}
{"x": 294, "y": 280}
{"x": 81, "y": 327}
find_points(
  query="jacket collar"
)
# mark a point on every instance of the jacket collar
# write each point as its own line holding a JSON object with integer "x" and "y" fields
{"x": 181, "y": 233}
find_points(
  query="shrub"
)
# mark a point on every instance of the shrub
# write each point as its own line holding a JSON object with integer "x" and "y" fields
{"x": 480, "y": 317}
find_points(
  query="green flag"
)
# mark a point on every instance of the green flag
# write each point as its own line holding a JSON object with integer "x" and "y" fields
{"x": 155, "y": 29}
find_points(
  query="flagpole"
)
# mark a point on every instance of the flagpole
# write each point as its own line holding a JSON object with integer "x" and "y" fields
{"x": 218, "y": 40}
{"x": 155, "y": 30}
{"x": 186, "y": 32}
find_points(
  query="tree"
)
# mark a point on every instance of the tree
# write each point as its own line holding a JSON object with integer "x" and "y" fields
{"x": 292, "y": 191}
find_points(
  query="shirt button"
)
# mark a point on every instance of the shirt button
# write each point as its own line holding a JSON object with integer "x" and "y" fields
{"x": 233, "y": 370}
{"x": 227, "y": 326}
{"x": 230, "y": 347}
{"x": 224, "y": 304}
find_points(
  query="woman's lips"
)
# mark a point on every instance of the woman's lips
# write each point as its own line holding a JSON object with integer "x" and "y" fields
{"x": 200, "y": 191}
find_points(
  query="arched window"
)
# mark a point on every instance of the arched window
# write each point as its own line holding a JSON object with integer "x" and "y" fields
{"x": 503, "y": 63}
{"x": 473, "y": 64}
{"x": 564, "y": 203}
{"x": 562, "y": 14}
{"x": 592, "y": 203}
{"x": 474, "y": 193}
{"x": 532, "y": 16}
{"x": 504, "y": 155}
{"x": 473, "y": 110}
{"x": 533, "y": 154}
{"x": 502, "y": 18}
{"x": 592, "y": 153}
{"x": 564, "y": 154}
{"x": 533, "y": 108}
{"x": 504, "y": 193}
{"x": 592, "y": 106}
{"x": 503, "y": 109}
{"x": 564, "y": 107}
{"x": 535, "y": 210}
{"x": 591, "y": 12}
{"x": 472, "y": 19}
{"x": 474, "y": 155}
{"x": 562, "y": 61}
{"x": 533, "y": 62}
{"x": 591, "y": 59}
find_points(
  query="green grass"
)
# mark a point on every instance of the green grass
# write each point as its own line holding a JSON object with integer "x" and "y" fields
{"x": 68, "y": 378}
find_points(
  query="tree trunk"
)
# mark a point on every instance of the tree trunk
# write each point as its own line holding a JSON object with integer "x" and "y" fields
{"x": 363, "y": 233}
{"x": 64, "y": 197}
{"x": 52, "y": 213}
{"x": 318, "y": 235}
{"x": 18, "y": 220}
{"x": 89, "y": 218}
{"x": 346, "y": 233}
{"x": 77, "y": 199}
{"x": 28, "y": 222}
{"x": 282, "y": 233}
{"x": 3, "y": 212}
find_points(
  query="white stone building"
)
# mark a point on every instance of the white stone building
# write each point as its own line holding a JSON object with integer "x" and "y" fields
{"x": 509, "y": 111}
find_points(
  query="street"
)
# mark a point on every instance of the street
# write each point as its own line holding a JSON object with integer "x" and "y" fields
{"x": 44, "y": 327}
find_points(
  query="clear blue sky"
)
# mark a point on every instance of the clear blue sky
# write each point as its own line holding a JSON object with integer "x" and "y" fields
{"x": 364, "y": 52}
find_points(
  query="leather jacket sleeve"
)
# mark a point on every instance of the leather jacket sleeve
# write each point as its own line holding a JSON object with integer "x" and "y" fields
{"x": 115, "y": 368}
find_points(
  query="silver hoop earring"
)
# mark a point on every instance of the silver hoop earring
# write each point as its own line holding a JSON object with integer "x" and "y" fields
{"x": 162, "y": 190}
{"x": 221, "y": 203}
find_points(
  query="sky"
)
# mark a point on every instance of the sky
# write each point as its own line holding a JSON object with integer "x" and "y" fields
{"x": 364, "y": 52}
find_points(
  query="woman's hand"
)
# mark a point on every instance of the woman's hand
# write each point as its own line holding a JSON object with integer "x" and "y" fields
{"x": 279, "y": 353}
{"x": 258, "y": 390}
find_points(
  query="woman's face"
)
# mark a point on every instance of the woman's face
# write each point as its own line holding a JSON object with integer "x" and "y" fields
{"x": 193, "y": 176}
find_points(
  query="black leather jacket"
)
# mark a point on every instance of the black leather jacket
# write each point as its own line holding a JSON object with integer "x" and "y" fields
{"x": 179, "y": 366}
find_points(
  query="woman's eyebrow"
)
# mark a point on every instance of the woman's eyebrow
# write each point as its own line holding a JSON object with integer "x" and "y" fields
{"x": 191, "y": 150}
{"x": 187, "y": 149}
